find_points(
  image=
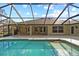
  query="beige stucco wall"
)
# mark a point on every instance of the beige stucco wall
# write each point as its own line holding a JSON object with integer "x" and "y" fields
{"x": 76, "y": 30}
{"x": 22, "y": 29}
{"x": 38, "y": 32}
{"x": 13, "y": 27}
{"x": 66, "y": 29}
{"x": 49, "y": 29}
{"x": 30, "y": 33}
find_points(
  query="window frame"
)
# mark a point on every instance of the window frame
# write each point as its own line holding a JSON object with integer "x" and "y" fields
{"x": 58, "y": 29}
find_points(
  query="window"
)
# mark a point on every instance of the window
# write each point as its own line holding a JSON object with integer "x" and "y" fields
{"x": 76, "y": 27}
{"x": 42, "y": 29}
{"x": 60, "y": 29}
{"x": 36, "y": 29}
{"x": 57, "y": 29}
{"x": 28, "y": 29}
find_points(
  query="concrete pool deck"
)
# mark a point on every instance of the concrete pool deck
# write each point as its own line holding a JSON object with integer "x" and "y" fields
{"x": 71, "y": 39}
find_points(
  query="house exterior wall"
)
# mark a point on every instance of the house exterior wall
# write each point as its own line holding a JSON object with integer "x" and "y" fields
{"x": 23, "y": 29}
{"x": 29, "y": 29}
{"x": 66, "y": 29}
{"x": 37, "y": 30}
{"x": 50, "y": 27}
{"x": 12, "y": 28}
{"x": 49, "y": 30}
{"x": 76, "y": 29}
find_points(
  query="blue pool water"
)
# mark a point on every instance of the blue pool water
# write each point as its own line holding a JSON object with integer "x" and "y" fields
{"x": 33, "y": 48}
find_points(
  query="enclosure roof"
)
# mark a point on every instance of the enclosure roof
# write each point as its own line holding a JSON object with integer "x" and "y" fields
{"x": 20, "y": 12}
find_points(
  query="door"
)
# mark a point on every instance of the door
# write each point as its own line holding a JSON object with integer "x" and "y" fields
{"x": 72, "y": 30}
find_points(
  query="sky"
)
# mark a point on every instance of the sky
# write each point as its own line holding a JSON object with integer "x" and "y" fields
{"x": 40, "y": 11}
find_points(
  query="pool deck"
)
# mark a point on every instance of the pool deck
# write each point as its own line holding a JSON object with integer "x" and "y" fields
{"x": 71, "y": 39}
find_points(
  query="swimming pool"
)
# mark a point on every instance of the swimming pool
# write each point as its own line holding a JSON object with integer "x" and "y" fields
{"x": 37, "y": 48}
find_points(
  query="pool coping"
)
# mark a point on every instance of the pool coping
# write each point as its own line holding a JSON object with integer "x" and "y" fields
{"x": 70, "y": 40}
